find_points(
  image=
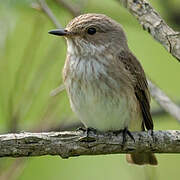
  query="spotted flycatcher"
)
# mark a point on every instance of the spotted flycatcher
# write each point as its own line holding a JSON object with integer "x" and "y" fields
{"x": 106, "y": 84}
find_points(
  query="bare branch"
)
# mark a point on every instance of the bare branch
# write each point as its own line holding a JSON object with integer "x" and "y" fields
{"x": 157, "y": 112}
{"x": 49, "y": 13}
{"x": 73, "y": 143}
{"x": 71, "y": 7}
{"x": 58, "y": 90}
{"x": 164, "y": 101}
{"x": 155, "y": 25}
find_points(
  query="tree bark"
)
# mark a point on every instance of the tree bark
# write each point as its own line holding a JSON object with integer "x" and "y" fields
{"x": 76, "y": 143}
{"x": 155, "y": 25}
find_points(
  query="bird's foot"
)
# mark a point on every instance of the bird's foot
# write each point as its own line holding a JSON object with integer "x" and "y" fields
{"x": 82, "y": 128}
{"x": 152, "y": 133}
{"x": 86, "y": 137}
{"x": 124, "y": 132}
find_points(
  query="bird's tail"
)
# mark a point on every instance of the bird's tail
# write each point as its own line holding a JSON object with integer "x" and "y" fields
{"x": 142, "y": 158}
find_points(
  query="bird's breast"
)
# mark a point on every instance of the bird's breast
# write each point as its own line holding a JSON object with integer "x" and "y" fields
{"x": 97, "y": 98}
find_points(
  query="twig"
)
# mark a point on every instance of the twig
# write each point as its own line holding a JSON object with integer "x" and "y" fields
{"x": 164, "y": 101}
{"x": 157, "y": 112}
{"x": 155, "y": 25}
{"x": 49, "y": 13}
{"x": 74, "y": 143}
{"x": 71, "y": 7}
{"x": 58, "y": 90}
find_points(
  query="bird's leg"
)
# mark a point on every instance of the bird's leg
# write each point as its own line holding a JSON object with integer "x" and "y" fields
{"x": 82, "y": 128}
{"x": 117, "y": 132}
{"x": 152, "y": 133}
{"x": 124, "y": 132}
{"x": 87, "y": 131}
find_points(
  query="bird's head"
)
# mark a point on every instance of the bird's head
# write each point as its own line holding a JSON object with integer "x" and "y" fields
{"x": 92, "y": 33}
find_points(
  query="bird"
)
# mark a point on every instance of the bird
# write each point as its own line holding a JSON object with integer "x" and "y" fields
{"x": 105, "y": 82}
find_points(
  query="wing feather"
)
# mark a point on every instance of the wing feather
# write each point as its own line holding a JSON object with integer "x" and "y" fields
{"x": 140, "y": 86}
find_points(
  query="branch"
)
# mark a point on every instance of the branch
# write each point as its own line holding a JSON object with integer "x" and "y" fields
{"x": 155, "y": 25}
{"x": 70, "y": 6}
{"x": 159, "y": 111}
{"x": 49, "y": 13}
{"x": 164, "y": 101}
{"x": 73, "y": 143}
{"x": 57, "y": 90}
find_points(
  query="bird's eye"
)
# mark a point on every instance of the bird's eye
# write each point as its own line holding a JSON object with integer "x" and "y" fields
{"x": 91, "y": 31}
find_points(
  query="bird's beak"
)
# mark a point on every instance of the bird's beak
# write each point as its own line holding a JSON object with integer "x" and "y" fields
{"x": 59, "y": 32}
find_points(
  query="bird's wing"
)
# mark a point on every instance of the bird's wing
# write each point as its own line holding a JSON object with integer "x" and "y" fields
{"x": 140, "y": 86}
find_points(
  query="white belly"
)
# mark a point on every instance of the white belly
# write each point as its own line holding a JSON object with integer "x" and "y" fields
{"x": 101, "y": 113}
{"x": 97, "y": 105}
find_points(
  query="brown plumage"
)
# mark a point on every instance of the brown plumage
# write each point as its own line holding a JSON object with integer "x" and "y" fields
{"x": 143, "y": 96}
{"x": 106, "y": 84}
{"x": 140, "y": 86}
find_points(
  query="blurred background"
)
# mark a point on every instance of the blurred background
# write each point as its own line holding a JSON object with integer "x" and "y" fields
{"x": 31, "y": 63}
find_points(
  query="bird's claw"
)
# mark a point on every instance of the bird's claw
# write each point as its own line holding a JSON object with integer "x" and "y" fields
{"x": 124, "y": 132}
{"x": 87, "y": 137}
